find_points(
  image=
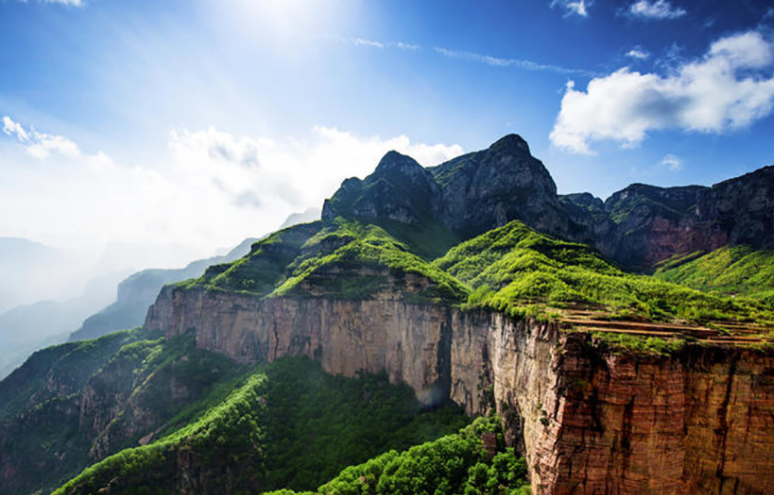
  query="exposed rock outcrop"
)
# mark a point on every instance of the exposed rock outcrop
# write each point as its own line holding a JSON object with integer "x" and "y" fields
{"x": 637, "y": 227}
{"x": 587, "y": 420}
{"x": 467, "y": 195}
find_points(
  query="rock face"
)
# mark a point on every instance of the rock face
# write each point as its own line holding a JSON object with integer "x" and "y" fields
{"x": 399, "y": 190}
{"x": 485, "y": 190}
{"x": 741, "y": 209}
{"x": 588, "y": 421}
{"x": 637, "y": 227}
{"x": 642, "y": 225}
{"x": 468, "y": 195}
{"x": 652, "y": 224}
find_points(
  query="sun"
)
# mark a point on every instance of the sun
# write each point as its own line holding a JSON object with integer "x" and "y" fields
{"x": 299, "y": 16}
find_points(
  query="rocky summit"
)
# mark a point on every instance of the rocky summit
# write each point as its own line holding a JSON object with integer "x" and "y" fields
{"x": 623, "y": 347}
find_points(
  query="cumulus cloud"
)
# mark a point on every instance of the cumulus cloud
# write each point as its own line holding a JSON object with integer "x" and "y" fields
{"x": 210, "y": 188}
{"x": 672, "y": 162}
{"x": 573, "y": 7}
{"x": 660, "y": 9}
{"x": 215, "y": 145}
{"x": 254, "y": 172}
{"x": 729, "y": 88}
{"x": 38, "y": 144}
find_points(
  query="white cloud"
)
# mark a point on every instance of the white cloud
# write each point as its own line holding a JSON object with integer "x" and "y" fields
{"x": 505, "y": 62}
{"x": 406, "y": 46}
{"x": 210, "y": 188}
{"x": 672, "y": 162}
{"x": 38, "y": 144}
{"x": 729, "y": 88}
{"x": 219, "y": 146}
{"x": 573, "y": 7}
{"x": 638, "y": 53}
{"x": 660, "y": 9}
{"x": 363, "y": 42}
{"x": 12, "y": 128}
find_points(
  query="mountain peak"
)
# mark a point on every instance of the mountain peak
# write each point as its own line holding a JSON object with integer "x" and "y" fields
{"x": 510, "y": 143}
{"x": 397, "y": 163}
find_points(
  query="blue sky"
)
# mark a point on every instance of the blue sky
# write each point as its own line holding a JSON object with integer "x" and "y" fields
{"x": 200, "y": 122}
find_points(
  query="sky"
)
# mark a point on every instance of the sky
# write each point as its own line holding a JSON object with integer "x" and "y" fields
{"x": 199, "y": 123}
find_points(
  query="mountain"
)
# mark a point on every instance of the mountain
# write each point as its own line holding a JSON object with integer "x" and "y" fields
{"x": 463, "y": 197}
{"x": 139, "y": 291}
{"x": 22, "y": 260}
{"x": 25, "y": 329}
{"x": 311, "y": 214}
{"x": 469, "y": 286}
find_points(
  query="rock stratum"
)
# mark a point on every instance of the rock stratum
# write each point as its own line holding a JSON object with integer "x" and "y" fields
{"x": 587, "y": 420}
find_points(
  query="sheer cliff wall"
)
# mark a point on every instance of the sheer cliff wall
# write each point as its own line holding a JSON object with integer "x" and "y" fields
{"x": 587, "y": 420}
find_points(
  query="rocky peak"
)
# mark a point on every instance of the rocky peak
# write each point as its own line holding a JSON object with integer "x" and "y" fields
{"x": 468, "y": 195}
{"x": 397, "y": 164}
{"x": 677, "y": 199}
{"x": 512, "y": 143}
{"x": 742, "y": 208}
{"x": 505, "y": 182}
{"x": 400, "y": 189}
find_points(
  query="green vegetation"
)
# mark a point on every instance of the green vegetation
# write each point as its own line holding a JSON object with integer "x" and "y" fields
{"x": 227, "y": 435}
{"x": 366, "y": 253}
{"x": 455, "y": 464}
{"x": 345, "y": 260}
{"x": 731, "y": 270}
{"x": 259, "y": 272}
{"x": 73, "y": 362}
{"x": 317, "y": 423}
{"x": 287, "y": 425}
{"x": 513, "y": 267}
{"x": 103, "y": 395}
{"x": 638, "y": 344}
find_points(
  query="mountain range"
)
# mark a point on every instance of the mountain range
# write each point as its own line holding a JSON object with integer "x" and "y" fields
{"x": 621, "y": 346}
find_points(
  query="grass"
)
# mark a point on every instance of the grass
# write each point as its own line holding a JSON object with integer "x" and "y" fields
{"x": 513, "y": 267}
{"x": 730, "y": 270}
{"x": 656, "y": 346}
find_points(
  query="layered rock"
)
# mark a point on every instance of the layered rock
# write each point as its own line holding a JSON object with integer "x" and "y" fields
{"x": 588, "y": 420}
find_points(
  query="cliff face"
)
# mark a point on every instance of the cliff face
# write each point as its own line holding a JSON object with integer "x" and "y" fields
{"x": 410, "y": 342}
{"x": 588, "y": 421}
{"x": 642, "y": 225}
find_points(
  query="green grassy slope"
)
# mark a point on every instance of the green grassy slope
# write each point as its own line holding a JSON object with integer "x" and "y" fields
{"x": 738, "y": 270}
{"x": 514, "y": 266}
{"x": 345, "y": 259}
{"x": 513, "y": 269}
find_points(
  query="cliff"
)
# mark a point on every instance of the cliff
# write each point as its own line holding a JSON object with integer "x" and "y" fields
{"x": 589, "y": 419}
